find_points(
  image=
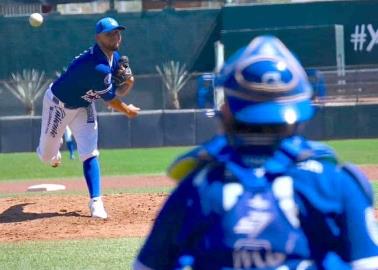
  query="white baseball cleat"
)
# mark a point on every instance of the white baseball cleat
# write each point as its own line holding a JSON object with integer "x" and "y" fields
{"x": 96, "y": 206}
{"x": 56, "y": 161}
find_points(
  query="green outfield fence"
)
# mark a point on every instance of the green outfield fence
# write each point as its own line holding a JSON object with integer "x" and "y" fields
{"x": 187, "y": 127}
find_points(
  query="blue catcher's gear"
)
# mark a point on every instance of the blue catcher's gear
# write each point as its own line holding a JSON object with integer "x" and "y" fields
{"x": 260, "y": 197}
{"x": 291, "y": 213}
{"x": 265, "y": 84}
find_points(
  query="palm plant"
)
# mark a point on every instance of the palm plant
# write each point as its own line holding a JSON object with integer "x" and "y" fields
{"x": 174, "y": 77}
{"x": 27, "y": 87}
{"x": 58, "y": 73}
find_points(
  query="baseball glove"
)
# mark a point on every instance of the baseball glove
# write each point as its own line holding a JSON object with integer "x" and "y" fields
{"x": 123, "y": 73}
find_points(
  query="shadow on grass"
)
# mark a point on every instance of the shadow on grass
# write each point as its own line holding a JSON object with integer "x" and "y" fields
{"x": 16, "y": 213}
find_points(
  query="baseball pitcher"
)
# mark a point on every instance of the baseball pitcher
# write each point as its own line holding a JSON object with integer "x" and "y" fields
{"x": 99, "y": 72}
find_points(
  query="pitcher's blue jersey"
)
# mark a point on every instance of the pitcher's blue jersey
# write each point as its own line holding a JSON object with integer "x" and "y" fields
{"x": 87, "y": 79}
{"x": 291, "y": 213}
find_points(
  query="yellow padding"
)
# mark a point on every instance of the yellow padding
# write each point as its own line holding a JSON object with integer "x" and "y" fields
{"x": 182, "y": 168}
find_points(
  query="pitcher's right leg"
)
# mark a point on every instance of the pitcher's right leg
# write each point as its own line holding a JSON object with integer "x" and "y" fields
{"x": 54, "y": 121}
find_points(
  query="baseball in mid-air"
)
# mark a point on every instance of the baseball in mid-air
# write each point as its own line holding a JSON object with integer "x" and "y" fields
{"x": 36, "y": 19}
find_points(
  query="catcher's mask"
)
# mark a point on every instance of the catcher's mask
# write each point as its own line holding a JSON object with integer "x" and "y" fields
{"x": 264, "y": 84}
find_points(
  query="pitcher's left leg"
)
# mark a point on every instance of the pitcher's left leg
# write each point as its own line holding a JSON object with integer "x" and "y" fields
{"x": 92, "y": 175}
{"x": 84, "y": 129}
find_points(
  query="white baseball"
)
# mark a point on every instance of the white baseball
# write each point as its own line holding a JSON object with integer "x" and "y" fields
{"x": 35, "y": 19}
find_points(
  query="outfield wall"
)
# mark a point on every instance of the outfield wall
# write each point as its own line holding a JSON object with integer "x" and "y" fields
{"x": 150, "y": 129}
{"x": 186, "y": 127}
{"x": 188, "y": 36}
{"x": 150, "y": 39}
{"x": 307, "y": 29}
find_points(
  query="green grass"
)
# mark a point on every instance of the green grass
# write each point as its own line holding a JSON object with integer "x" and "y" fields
{"x": 114, "y": 253}
{"x": 357, "y": 151}
{"x": 78, "y": 254}
{"x": 26, "y": 166}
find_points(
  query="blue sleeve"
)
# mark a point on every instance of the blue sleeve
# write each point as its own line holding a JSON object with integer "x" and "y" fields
{"x": 336, "y": 213}
{"x": 103, "y": 82}
{"x": 359, "y": 231}
{"x": 166, "y": 239}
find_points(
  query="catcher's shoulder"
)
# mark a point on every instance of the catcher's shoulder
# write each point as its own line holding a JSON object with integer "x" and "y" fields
{"x": 301, "y": 149}
{"x": 195, "y": 159}
{"x": 323, "y": 151}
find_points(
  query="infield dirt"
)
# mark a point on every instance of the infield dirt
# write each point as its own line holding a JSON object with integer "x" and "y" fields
{"x": 63, "y": 216}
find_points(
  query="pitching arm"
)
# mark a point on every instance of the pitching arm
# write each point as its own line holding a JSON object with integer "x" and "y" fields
{"x": 130, "y": 110}
{"x": 125, "y": 88}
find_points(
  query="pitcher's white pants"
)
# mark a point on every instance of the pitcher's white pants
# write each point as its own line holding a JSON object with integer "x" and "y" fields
{"x": 55, "y": 118}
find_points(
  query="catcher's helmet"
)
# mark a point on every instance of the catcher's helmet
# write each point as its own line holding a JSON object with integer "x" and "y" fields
{"x": 265, "y": 84}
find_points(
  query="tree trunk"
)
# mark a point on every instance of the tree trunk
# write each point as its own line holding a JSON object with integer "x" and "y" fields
{"x": 30, "y": 109}
{"x": 111, "y": 5}
{"x": 174, "y": 102}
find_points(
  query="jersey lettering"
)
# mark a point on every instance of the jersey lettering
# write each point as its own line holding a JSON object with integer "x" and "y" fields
{"x": 254, "y": 223}
{"x": 91, "y": 96}
{"x": 312, "y": 166}
{"x": 57, "y": 121}
{"x": 283, "y": 190}
{"x": 250, "y": 253}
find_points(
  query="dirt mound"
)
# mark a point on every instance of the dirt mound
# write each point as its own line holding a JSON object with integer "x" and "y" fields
{"x": 62, "y": 216}
{"x": 67, "y": 217}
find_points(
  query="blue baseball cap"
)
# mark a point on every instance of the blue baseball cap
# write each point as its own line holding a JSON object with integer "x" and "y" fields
{"x": 107, "y": 24}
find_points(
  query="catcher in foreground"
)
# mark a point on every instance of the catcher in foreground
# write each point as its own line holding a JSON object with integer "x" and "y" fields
{"x": 259, "y": 196}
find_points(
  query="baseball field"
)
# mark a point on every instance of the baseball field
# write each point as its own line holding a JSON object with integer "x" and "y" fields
{"x": 53, "y": 230}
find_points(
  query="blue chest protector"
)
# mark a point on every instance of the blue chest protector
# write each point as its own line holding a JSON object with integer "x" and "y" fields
{"x": 249, "y": 218}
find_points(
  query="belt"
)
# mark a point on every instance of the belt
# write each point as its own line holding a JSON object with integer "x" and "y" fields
{"x": 62, "y": 104}
{"x": 56, "y": 100}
